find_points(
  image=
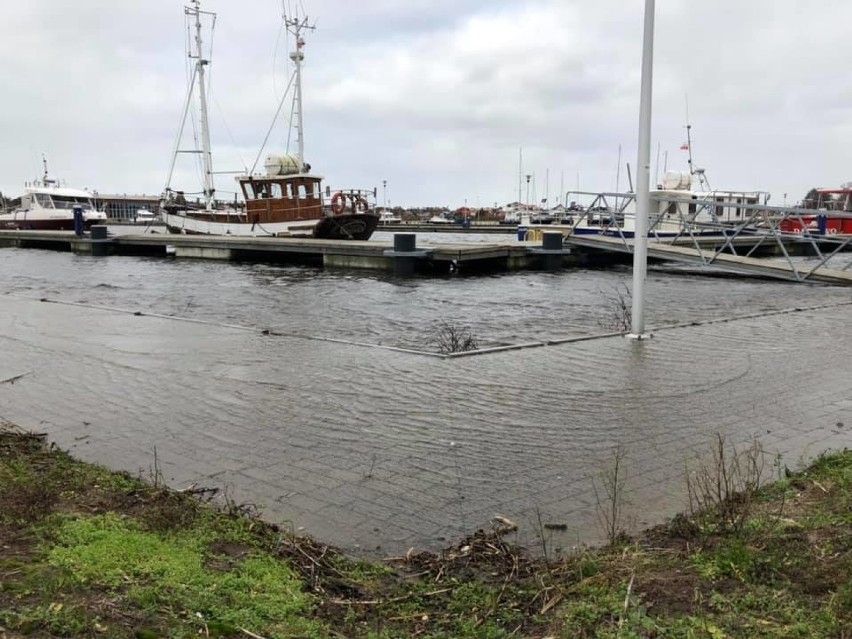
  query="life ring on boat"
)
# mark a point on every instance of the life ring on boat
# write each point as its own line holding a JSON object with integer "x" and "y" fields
{"x": 832, "y": 231}
{"x": 338, "y": 203}
{"x": 797, "y": 230}
{"x": 361, "y": 204}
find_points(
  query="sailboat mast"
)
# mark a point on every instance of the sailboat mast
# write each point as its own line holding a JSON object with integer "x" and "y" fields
{"x": 200, "y": 63}
{"x": 296, "y": 26}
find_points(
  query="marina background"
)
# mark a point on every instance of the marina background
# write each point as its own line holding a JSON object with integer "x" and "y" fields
{"x": 436, "y": 98}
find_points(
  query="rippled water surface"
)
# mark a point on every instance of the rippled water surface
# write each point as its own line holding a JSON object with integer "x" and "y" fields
{"x": 227, "y": 370}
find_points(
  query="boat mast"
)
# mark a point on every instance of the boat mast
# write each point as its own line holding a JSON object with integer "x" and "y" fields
{"x": 296, "y": 26}
{"x": 703, "y": 182}
{"x": 200, "y": 63}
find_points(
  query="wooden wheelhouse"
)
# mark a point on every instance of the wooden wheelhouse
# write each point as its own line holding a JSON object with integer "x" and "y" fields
{"x": 278, "y": 198}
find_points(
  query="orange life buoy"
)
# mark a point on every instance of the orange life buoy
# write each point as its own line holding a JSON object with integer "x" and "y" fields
{"x": 338, "y": 203}
{"x": 832, "y": 231}
{"x": 361, "y": 204}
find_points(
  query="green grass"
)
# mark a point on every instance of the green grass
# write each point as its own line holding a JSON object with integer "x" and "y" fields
{"x": 159, "y": 573}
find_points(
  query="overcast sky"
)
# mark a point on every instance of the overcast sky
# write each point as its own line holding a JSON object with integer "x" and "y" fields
{"x": 435, "y": 96}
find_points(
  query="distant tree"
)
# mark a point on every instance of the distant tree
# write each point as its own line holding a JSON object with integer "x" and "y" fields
{"x": 811, "y": 200}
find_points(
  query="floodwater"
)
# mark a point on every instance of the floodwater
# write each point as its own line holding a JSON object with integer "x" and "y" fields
{"x": 299, "y": 390}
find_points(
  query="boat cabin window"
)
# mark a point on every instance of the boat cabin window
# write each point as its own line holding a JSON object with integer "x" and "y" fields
{"x": 261, "y": 190}
{"x": 692, "y": 206}
{"x": 308, "y": 189}
{"x": 43, "y": 200}
{"x": 67, "y": 202}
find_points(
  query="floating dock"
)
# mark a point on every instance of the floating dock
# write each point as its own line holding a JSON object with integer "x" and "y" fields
{"x": 404, "y": 257}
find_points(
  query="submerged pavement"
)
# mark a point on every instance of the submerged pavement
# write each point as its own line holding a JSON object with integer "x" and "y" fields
{"x": 377, "y": 451}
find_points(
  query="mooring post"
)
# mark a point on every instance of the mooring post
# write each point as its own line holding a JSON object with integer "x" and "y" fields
{"x": 404, "y": 243}
{"x": 100, "y": 243}
{"x": 551, "y": 244}
{"x": 552, "y": 251}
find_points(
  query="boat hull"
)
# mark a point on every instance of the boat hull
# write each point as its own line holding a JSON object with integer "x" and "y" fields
{"x": 348, "y": 226}
{"x": 36, "y": 223}
{"x": 355, "y": 226}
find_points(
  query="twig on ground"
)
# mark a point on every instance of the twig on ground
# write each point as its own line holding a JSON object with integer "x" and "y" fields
{"x": 15, "y": 378}
{"x": 378, "y": 602}
{"x": 627, "y": 599}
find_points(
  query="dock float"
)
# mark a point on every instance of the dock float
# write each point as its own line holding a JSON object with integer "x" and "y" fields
{"x": 401, "y": 256}
{"x": 404, "y": 257}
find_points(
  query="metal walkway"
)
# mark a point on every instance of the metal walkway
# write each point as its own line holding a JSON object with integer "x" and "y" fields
{"x": 703, "y": 238}
{"x": 761, "y": 267}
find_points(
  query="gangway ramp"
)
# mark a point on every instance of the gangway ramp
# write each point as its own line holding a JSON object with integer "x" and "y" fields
{"x": 758, "y": 267}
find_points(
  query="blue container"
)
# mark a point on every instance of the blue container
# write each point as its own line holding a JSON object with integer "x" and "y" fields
{"x": 522, "y": 233}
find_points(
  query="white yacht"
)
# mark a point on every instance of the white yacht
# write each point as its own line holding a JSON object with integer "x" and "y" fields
{"x": 45, "y": 205}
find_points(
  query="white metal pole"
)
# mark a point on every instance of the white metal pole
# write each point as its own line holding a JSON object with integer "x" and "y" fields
{"x": 643, "y": 194}
{"x": 520, "y": 170}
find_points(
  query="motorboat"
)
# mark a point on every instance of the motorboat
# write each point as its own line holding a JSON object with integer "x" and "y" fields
{"x": 48, "y": 205}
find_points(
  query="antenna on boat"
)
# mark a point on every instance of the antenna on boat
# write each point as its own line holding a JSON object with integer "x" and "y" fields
{"x": 702, "y": 178}
{"x": 46, "y": 179}
{"x": 693, "y": 170}
{"x": 689, "y": 147}
{"x": 296, "y": 26}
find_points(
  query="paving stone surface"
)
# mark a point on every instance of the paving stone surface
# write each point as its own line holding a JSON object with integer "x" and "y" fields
{"x": 379, "y": 451}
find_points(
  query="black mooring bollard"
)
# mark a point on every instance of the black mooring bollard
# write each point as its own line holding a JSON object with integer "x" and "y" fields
{"x": 100, "y": 243}
{"x": 551, "y": 244}
{"x": 404, "y": 243}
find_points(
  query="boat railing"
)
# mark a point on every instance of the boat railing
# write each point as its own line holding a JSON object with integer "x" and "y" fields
{"x": 350, "y": 200}
{"x": 704, "y": 213}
